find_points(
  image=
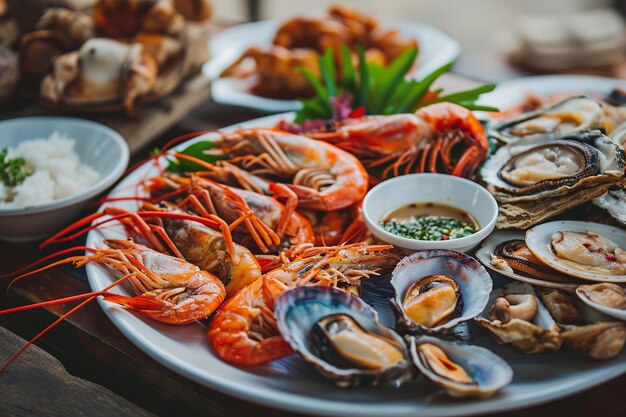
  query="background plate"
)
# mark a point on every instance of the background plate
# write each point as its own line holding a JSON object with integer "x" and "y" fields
{"x": 291, "y": 384}
{"x": 436, "y": 49}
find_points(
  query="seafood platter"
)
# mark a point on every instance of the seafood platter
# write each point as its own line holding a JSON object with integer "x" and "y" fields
{"x": 254, "y": 63}
{"x": 241, "y": 260}
{"x": 100, "y": 56}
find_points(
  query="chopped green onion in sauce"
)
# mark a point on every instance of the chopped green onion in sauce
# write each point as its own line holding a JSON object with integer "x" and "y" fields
{"x": 429, "y": 221}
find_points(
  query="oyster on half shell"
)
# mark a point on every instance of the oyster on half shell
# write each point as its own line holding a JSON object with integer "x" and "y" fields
{"x": 340, "y": 335}
{"x": 546, "y": 175}
{"x": 567, "y": 116}
{"x": 461, "y": 370}
{"x": 434, "y": 290}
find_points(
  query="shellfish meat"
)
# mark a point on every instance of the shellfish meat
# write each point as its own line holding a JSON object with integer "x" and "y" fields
{"x": 537, "y": 334}
{"x": 582, "y": 328}
{"x": 436, "y": 290}
{"x": 584, "y": 250}
{"x": 567, "y": 116}
{"x": 340, "y": 335}
{"x": 461, "y": 370}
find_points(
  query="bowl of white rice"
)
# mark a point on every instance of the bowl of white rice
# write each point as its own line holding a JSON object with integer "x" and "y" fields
{"x": 50, "y": 168}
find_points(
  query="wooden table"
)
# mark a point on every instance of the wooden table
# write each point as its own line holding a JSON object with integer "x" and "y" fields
{"x": 124, "y": 380}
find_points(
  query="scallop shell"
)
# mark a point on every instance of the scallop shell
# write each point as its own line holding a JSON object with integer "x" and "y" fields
{"x": 489, "y": 372}
{"x": 474, "y": 284}
{"x": 538, "y": 240}
{"x": 298, "y": 310}
{"x": 585, "y": 111}
{"x": 531, "y": 337}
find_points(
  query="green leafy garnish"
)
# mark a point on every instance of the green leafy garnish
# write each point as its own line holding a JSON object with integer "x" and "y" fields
{"x": 12, "y": 171}
{"x": 377, "y": 89}
{"x": 198, "y": 150}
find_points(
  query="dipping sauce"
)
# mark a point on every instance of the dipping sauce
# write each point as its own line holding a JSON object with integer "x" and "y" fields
{"x": 429, "y": 221}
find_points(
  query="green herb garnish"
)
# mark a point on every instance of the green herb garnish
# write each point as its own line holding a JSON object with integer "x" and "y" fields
{"x": 429, "y": 228}
{"x": 12, "y": 171}
{"x": 199, "y": 150}
{"x": 377, "y": 89}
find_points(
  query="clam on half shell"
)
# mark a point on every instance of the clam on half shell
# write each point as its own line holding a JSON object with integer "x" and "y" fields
{"x": 487, "y": 372}
{"x": 421, "y": 283}
{"x": 531, "y": 336}
{"x": 585, "y": 250}
{"x": 547, "y": 175}
{"x": 567, "y": 116}
{"x": 352, "y": 336}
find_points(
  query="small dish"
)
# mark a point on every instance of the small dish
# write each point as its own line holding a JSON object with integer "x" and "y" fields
{"x": 97, "y": 145}
{"x": 433, "y": 188}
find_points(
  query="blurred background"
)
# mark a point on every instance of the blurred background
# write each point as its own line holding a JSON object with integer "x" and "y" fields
{"x": 488, "y": 30}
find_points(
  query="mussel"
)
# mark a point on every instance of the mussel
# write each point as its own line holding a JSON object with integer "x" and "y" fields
{"x": 432, "y": 300}
{"x": 436, "y": 290}
{"x": 342, "y": 341}
{"x": 340, "y": 335}
{"x": 461, "y": 370}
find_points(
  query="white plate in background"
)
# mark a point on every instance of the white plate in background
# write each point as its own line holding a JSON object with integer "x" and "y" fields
{"x": 435, "y": 49}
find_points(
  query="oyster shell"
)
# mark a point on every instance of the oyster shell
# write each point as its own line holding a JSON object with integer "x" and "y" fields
{"x": 567, "y": 116}
{"x": 614, "y": 201}
{"x": 531, "y": 336}
{"x": 326, "y": 326}
{"x": 421, "y": 273}
{"x": 585, "y": 250}
{"x": 544, "y": 176}
{"x": 582, "y": 328}
{"x": 461, "y": 370}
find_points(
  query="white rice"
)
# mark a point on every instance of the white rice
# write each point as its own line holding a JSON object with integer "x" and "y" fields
{"x": 57, "y": 172}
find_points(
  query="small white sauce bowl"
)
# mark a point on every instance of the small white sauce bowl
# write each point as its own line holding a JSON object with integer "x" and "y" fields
{"x": 97, "y": 145}
{"x": 430, "y": 188}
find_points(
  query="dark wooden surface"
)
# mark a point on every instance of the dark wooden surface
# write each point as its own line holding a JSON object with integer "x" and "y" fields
{"x": 91, "y": 348}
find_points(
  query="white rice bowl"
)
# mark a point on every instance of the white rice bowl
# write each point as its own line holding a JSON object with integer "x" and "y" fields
{"x": 57, "y": 172}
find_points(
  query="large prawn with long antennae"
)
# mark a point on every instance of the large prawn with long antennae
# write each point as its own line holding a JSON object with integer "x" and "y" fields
{"x": 323, "y": 176}
{"x": 442, "y": 137}
{"x": 203, "y": 241}
{"x": 165, "y": 288}
{"x": 271, "y": 225}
